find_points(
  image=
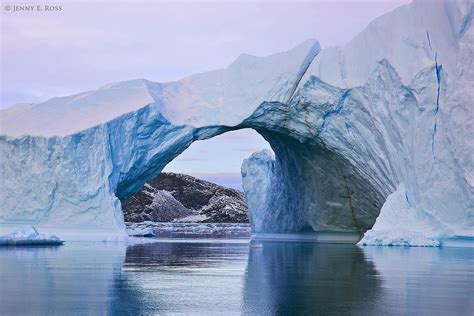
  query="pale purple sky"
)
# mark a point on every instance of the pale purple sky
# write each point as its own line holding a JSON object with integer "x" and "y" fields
{"x": 91, "y": 43}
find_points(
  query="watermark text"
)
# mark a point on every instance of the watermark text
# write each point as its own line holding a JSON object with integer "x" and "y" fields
{"x": 33, "y": 8}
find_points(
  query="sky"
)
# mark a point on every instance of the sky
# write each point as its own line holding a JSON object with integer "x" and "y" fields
{"x": 90, "y": 43}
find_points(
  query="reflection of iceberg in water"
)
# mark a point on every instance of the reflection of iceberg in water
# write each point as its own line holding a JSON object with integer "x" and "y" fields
{"x": 212, "y": 277}
{"x": 72, "y": 279}
{"x": 284, "y": 278}
{"x": 416, "y": 280}
{"x": 309, "y": 278}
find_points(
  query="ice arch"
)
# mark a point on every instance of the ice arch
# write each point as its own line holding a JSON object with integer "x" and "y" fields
{"x": 330, "y": 174}
{"x": 311, "y": 187}
{"x": 374, "y": 122}
{"x": 339, "y": 154}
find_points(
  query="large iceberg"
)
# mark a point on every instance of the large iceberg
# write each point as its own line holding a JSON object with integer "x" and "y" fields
{"x": 371, "y": 138}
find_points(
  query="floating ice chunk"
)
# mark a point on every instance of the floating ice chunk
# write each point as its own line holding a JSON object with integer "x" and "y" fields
{"x": 141, "y": 232}
{"x": 29, "y": 236}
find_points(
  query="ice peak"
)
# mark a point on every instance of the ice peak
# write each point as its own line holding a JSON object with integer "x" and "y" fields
{"x": 128, "y": 84}
{"x": 309, "y": 46}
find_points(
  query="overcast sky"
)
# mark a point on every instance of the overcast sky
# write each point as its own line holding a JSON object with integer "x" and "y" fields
{"x": 90, "y": 43}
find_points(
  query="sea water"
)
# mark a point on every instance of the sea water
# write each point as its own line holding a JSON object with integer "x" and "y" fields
{"x": 235, "y": 276}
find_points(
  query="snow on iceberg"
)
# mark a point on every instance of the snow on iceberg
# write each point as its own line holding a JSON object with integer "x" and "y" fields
{"x": 354, "y": 129}
{"x": 29, "y": 236}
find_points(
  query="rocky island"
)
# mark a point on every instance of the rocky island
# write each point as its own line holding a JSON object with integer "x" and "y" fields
{"x": 183, "y": 198}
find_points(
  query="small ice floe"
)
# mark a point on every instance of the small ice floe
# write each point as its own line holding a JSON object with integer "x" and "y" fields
{"x": 141, "y": 232}
{"x": 29, "y": 236}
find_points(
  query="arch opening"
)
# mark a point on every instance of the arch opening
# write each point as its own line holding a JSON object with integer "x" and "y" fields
{"x": 219, "y": 159}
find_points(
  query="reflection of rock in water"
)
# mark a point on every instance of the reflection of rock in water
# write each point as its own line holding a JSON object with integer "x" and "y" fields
{"x": 180, "y": 277}
{"x": 162, "y": 255}
{"x": 311, "y": 279}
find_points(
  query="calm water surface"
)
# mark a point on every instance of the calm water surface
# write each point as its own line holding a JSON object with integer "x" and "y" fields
{"x": 234, "y": 277}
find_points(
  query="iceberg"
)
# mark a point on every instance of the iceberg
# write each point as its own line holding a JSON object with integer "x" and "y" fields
{"x": 29, "y": 236}
{"x": 371, "y": 139}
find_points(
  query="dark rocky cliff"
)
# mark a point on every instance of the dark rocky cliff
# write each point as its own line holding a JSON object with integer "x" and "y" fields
{"x": 180, "y": 197}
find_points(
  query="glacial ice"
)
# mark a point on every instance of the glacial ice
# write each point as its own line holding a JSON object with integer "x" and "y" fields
{"x": 371, "y": 138}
